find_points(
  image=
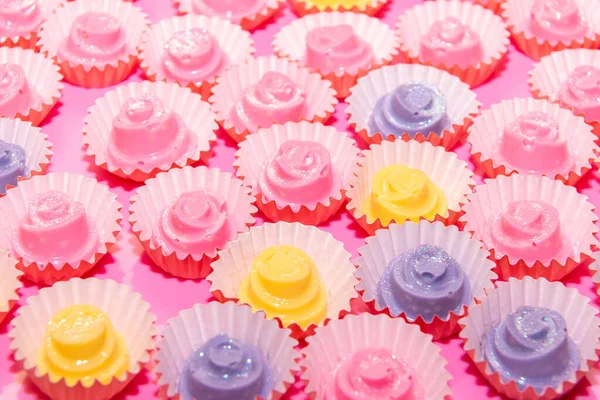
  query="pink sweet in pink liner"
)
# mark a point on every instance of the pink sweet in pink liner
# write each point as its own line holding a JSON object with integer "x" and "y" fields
{"x": 55, "y": 230}
{"x": 557, "y": 20}
{"x": 147, "y": 135}
{"x": 337, "y": 48}
{"x": 581, "y": 92}
{"x": 19, "y": 17}
{"x": 233, "y": 10}
{"x": 195, "y": 223}
{"x": 450, "y": 42}
{"x": 16, "y": 95}
{"x": 95, "y": 39}
{"x": 274, "y": 99}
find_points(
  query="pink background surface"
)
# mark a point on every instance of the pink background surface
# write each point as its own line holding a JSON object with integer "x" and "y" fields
{"x": 168, "y": 295}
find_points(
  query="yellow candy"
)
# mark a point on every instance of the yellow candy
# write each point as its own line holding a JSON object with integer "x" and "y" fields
{"x": 338, "y": 4}
{"x": 284, "y": 283}
{"x": 400, "y": 193}
{"x": 80, "y": 344}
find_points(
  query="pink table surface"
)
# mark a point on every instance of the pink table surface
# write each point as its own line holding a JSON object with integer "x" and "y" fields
{"x": 168, "y": 295}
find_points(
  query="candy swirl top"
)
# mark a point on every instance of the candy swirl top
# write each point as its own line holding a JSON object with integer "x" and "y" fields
{"x": 275, "y": 99}
{"x": 532, "y": 346}
{"x": 528, "y": 230}
{"x": 225, "y": 369}
{"x": 56, "y": 230}
{"x": 234, "y": 10}
{"x": 337, "y": 49}
{"x": 374, "y": 374}
{"x": 581, "y": 92}
{"x": 95, "y": 39}
{"x": 193, "y": 55}
{"x": 196, "y": 222}
{"x": 533, "y": 144}
{"x": 410, "y": 108}
{"x": 12, "y": 165}
{"x": 556, "y": 20}
{"x": 284, "y": 282}
{"x": 81, "y": 345}
{"x": 450, "y": 42}
{"x": 399, "y": 193}
{"x": 16, "y": 95}
{"x": 423, "y": 281}
{"x": 19, "y": 17}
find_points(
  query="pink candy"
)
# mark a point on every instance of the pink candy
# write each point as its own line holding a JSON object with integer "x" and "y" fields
{"x": 19, "y": 17}
{"x": 16, "y": 96}
{"x": 581, "y": 91}
{"x": 557, "y": 20}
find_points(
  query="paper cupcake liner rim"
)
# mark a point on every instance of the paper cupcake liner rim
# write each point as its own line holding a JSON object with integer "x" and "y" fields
{"x": 8, "y": 266}
{"x": 304, "y": 7}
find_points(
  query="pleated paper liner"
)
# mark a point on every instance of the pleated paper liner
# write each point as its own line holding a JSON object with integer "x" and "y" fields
{"x": 128, "y": 313}
{"x": 415, "y": 22}
{"x": 100, "y": 205}
{"x": 149, "y": 201}
{"x": 43, "y": 76}
{"x": 236, "y": 44}
{"x": 132, "y": 20}
{"x": 576, "y": 216}
{"x": 583, "y": 327}
{"x": 444, "y": 168}
{"x": 29, "y": 40}
{"x": 461, "y": 102}
{"x": 494, "y": 5}
{"x": 388, "y": 243}
{"x": 247, "y": 23}
{"x": 595, "y": 270}
{"x": 486, "y": 133}
{"x": 32, "y": 140}
{"x": 290, "y": 42}
{"x": 259, "y": 148}
{"x": 553, "y": 70}
{"x": 195, "y": 326}
{"x": 369, "y": 7}
{"x": 517, "y": 14}
{"x": 320, "y": 97}
{"x": 194, "y": 112}
{"x": 341, "y": 338}
{"x": 10, "y": 283}
{"x": 331, "y": 259}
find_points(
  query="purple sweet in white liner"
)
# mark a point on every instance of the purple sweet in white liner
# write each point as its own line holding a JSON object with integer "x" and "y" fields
{"x": 12, "y": 165}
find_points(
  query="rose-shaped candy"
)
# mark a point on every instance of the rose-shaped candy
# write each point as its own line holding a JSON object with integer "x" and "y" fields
{"x": 557, "y": 20}
{"x": 12, "y": 165}
{"x": 337, "y": 48}
{"x": 399, "y": 193}
{"x": 284, "y": 282}
{"x": 225, "y": 369}
{"x": 193, "y": 56}
{"x": 374, "y": 374}
{"x": 233, "y": 10}
{"x": 19, "y": 17}
{"x": 410, "y": 108}
{"x": 195, "y": 223}
{"x": 55, "y": 230}
{"x": 532, "y": 347}
{"x": 581, "y": 92}
{"x": 16, "y": 95}
{"x": 450, "y": 42}
{"x": 423, "y": 281}
{"x": 274, "y": 99}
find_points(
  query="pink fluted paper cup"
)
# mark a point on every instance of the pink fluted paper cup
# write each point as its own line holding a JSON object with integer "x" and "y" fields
{"x": 195, "y": 326}
{"x": 194, "y": 113}
{"x": 35, "y": 143}
{"x": 129, "y": 314}
{"x": 576, "y": 213}
{"x": 488, "y": 129}
{"x": 462, "y": 104}
{"x": 28, "y": 40}
{"x": 260, "y": 148}
{"x": 332, "y": 344}
{"x": 290, "y": 43}
{"x": 319, "y": 96}
{"x": 10, "y": 283}
{"x": 151, "y": 200}
{"x": 595, "y": 270}
{"x": 446, "y": 171}
{"x": 56, "y": 30}
{"x": 417, "y": 21}
{"x": 517, "y": 14}
{"x": 494, "y": 5}
{"x": 331, "y": 260}
{"x": 236, "y": 46}
{"x": 369, "y": 7}
{"x": 99, "y": 204}
{"x": 388, "y": 243}
{"x": 583, "y": 326}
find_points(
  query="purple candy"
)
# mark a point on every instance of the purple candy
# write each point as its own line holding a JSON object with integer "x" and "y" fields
{"x": 531, "y": 346}
{"x": 225, "y": 369}
{"x": 423, "y": 281}
{"x": 12, "y": 165}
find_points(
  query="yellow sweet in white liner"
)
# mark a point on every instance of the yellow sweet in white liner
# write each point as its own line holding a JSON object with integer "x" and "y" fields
{"x": 339, "y": 4}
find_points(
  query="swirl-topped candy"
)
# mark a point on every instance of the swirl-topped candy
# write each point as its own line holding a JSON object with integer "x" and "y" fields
{"x": 284, "y": 282}
{"x": 423, "y": 281}
{"x": 557, "y": 20}
{"x": 410, "y": 108}
{"x": 451, "y": 42}
{"x": 12, "y": 165}
{"x": 16, "y": 95}
{"x": 337, "y": 48}
{"x": 19, "y": 17}
{"x": 81, "y": 345}
{"x": 532, "y": 347}
{"x": 225, "y": 369}
{"x": 234, "y": 10}
{"x": 581, "y": 92}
